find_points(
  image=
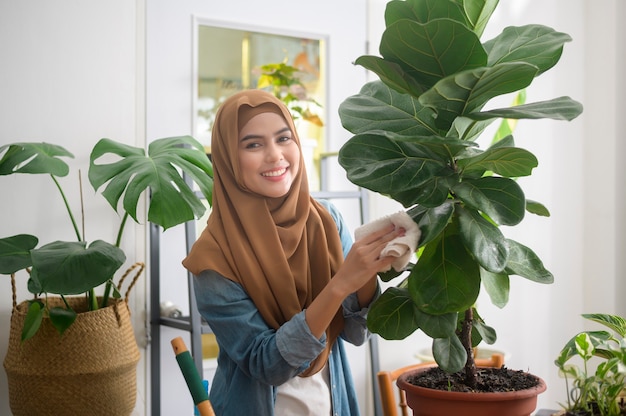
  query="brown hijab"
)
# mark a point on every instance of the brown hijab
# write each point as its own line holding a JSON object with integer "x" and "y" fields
{"x": 283, "y": 251}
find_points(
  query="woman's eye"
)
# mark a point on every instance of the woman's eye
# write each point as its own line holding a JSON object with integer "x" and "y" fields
{"x": 252, "y": 145}
{"x": 284, "y": 139}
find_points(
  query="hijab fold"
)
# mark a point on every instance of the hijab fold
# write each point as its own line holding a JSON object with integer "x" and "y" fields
{"x": 283, "y": 251}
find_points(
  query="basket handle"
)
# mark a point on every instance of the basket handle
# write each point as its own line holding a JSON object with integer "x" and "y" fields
{"x": 139, "y": 265}
{"x": 14, "y": 291}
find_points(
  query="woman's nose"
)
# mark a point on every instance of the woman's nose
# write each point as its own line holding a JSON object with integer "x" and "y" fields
{"x": 273, "y": 152}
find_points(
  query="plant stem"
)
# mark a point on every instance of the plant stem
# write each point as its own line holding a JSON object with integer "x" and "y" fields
{"x": 93, "y": 301}
{"x": 118, "y": 241}
{"x": 67, "y": 206}
{"x": 466, "y": 340}
{"x": 82, "y": 203}
{"x": 107, "y": 293}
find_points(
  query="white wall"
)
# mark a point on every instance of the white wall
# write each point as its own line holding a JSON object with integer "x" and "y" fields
{"x": 620, "y": 125}
{"x": 73, "y": 73}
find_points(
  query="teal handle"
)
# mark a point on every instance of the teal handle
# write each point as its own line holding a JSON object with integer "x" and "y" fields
{"x": 192, "y": 377}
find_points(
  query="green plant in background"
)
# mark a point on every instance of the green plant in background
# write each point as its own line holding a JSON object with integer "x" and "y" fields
{"x": 75, "y": 267}
{"x": 596, "y": 392}
{"x": 416, "y": 140}
{"x": 284, "y": 82}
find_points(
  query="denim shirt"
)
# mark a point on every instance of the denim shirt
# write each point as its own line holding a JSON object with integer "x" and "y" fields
{"x": 254, "y": 358}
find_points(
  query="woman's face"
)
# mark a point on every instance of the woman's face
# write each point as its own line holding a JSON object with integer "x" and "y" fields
{"x": 269, "y": 156}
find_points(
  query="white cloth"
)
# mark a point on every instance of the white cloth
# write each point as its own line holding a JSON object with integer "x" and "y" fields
{"x": 401, "y": 247}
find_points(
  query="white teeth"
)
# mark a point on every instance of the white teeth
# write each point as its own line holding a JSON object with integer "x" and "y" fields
{"x": 275, "y": 172}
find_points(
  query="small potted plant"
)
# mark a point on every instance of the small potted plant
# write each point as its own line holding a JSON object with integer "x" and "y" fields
{"x": 283, "y": 80}
{"x": 418, "y": 133}
{"x": 598, "y": 392}
{"x": 72, "y": 350}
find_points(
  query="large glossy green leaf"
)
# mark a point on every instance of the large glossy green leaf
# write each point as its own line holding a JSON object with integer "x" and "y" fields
{"x": 400, "y": 9}
{"x": 507, "y": 125}
{"x": 393, "y": 315}
{"x": 535, "y": 44}
{"x": 437, "y": 326}
{"x": 511, "y": 162}
{"x": 34, "y": 158}
{"x": 449, "y": 354}
{"x": 497, "y": 286}
{"x": 433, "y": 50}
{"x": 524, "y": 262}
{"x": 15, "y": 252}
{"x": 172, "y": 201}
{"x": 430, "y": 194}
{"x": 378, "y": 107}
{"x": 483, "y": 239}
{"x": 71, "y": 268}
{"x": 392, "y": 74}
{"x": 478, "y": 13}
{"x": 502, "y": 199}
{"x": 465, "y": 128}
{"x": 191, "y": 159}
{"x": 561, "y": 108}
{"x": 431, "y": 221}
{"x": 384, "y": 164}
{"x": 446, "y": 278}
{"x": 422, "y": 11}
{"x": 465, "y": 92}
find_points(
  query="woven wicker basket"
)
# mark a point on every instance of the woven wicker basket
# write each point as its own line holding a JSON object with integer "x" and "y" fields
{"x": 89, "y": 370}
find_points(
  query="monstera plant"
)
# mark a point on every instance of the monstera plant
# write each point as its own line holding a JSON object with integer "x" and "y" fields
{"x": 75, "y": 267}
{"x": 417, "y": 137}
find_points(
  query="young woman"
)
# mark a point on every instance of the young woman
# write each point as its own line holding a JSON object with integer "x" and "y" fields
{"x": 271, "y": 278}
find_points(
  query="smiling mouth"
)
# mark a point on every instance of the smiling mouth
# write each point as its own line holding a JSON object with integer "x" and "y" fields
{"x": 275, "y": 172}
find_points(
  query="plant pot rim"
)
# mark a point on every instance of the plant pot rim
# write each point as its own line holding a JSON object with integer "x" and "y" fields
{"x": 74, "y": 300}
{"x": 403, "y": 384}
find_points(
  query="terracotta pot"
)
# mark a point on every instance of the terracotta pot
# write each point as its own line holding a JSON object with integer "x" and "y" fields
{"x": 431, "y": 402}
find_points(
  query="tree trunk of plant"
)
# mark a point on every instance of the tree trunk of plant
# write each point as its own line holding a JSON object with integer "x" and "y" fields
{"x": 466, "y": 340}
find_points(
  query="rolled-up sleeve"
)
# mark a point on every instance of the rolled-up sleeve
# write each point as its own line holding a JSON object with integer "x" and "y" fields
{"x": 296, "y": 343}
{"x": 268, "y": 355}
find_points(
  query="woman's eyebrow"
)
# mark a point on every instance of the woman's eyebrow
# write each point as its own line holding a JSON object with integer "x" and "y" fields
{"x": 253, "y": 136}
{"x": 281, "y": 131}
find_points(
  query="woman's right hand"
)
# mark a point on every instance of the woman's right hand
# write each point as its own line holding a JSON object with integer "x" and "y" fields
{"x": 363, "y": 262}
{"x": 357, "y": 274}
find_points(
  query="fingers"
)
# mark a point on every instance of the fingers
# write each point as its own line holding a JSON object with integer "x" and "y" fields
{"x": 371, "y": 237}
{"x": 370, "y": 247}
{"x": 384, "y": 235}
{"x": 363, "y": 262}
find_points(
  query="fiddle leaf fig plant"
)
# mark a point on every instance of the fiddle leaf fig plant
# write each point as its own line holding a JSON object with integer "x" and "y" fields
{"x": 417, "y": 137}
{"x": 165, "y": 174}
